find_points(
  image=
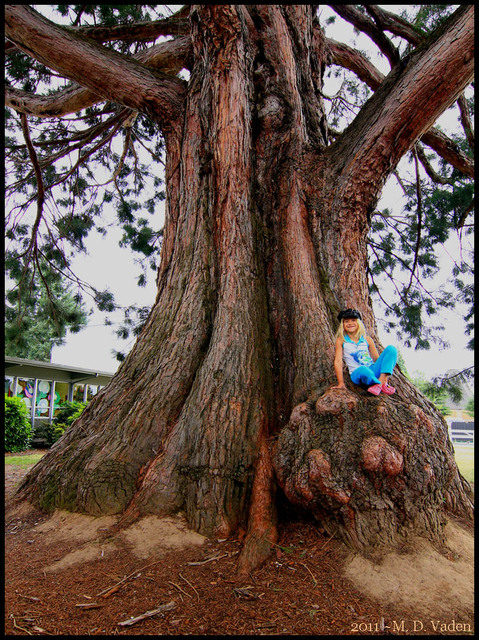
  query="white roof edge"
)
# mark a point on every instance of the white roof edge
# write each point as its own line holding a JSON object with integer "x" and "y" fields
{"x": 52, "y": 365}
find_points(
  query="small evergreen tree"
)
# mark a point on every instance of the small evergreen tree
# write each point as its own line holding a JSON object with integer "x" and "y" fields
{"x": 436, "y": 394}
{"x": 38, "y": 314}
{"x": 470, "y": 407}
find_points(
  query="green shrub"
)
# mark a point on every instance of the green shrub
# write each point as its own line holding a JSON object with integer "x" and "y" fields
{"x": 18, "y": 430}
{"x": 69, "y": 411}
{"x": 43, "y": 432}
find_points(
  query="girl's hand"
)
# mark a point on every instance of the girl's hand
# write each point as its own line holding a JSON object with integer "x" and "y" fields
{"x": 341, "y": 385}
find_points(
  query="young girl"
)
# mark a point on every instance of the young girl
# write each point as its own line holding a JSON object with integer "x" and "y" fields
{"x": 365, "y": 364}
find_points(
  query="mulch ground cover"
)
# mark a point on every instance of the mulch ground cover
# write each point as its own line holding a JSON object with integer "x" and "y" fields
{"x": 300, "y": 590}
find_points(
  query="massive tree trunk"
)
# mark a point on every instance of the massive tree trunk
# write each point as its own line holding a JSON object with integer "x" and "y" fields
{"x": 227, "y": 391}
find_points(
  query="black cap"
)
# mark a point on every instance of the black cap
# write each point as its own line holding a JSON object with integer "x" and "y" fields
{"x": 349, "y": 313}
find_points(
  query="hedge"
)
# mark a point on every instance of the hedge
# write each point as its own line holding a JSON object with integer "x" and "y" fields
{"x": 18, "y": 430}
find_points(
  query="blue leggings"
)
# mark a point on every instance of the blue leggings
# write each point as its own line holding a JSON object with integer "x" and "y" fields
{"x": 384, "y": 364}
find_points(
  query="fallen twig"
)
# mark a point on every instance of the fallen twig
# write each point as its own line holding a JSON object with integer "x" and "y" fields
{"x": 109, "y": 590}
{"x": 244, "y": 592}
{"x": 265, "y": 625}
{"x": 208, "y": 560}
{"x": 32, "y": 598}
{"x": 327, "y": 541}
{"x": 114, "y": 589}
{"x": 180, "y": 589}
{"x": 21, "y": 628}
{"x": 42, "y": 631}
{"x": 34, "y": 628}
{"x": 312, "y": 575}
{"x": 188, "y": 582}
{"x": 89, "y": 605}
{"x": 148, "y": 614}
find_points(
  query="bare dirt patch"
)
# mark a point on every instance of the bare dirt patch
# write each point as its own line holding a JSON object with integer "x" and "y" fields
{"x": 441, "y": 582}
{"x": 69, "y": 574}
{"x": 150, "y": 537}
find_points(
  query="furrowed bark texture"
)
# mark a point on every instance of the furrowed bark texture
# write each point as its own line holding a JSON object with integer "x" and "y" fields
{"x": 371, "y": 469}
{"x": 265, "y": 241}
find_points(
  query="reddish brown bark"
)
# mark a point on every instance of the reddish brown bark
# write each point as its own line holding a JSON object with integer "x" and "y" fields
{"x": 265, "y": 240}
{"x": 371, "y": 469}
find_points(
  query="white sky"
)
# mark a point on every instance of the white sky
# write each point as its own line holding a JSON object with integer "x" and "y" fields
{"x": 107, "y": 265}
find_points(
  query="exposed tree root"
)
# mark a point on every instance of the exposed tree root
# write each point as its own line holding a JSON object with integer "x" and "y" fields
{"x": 262, "y": 532}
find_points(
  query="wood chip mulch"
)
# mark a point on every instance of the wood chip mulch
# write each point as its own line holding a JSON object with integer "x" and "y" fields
{"x": 300, "y": 590}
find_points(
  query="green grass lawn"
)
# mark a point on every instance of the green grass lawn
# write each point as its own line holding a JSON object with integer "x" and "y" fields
{"x": 464, "y": 455}
{"x": 23, "y": 461}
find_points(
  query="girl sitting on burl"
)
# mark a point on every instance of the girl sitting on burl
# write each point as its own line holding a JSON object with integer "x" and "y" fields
{"x": 365, "y": 364}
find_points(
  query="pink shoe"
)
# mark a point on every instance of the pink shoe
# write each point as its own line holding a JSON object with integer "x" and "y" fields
{"x": 387, "y": 389}
{"x": 375, "y": 389}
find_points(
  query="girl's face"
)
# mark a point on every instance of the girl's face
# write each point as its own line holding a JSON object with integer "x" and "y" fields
{"x": 350, "y": 325}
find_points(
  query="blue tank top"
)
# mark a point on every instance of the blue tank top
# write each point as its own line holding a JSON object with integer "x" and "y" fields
{"x": 356, "y": 355}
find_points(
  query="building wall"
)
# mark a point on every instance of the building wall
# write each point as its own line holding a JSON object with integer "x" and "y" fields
{"x": 44, "y": 397}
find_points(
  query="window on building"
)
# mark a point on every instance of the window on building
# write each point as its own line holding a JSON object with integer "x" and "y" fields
{"x": 78, "y": 392}
{"x": 91, "y": 390}
{"x": 9, "y": 386}
{"x": 60, "y": 395}
{"x": 43, "y": 400}
{"x": 25, "y": 389}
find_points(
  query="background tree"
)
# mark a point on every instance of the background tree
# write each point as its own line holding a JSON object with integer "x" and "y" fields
{"x": 226, "y": 394}
{"x": 38, "y": 318}
{"x": 470, "y": 407}
{"x": 436, "y": 394}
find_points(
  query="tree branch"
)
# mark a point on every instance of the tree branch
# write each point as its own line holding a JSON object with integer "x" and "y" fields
{"x": 32, "y": 245}
{"x": 419, "y": 221}
{"x": 81, "y": 138}
{"x": 349, "y": 58}
{"x": 103, "y": 71}
{"x": 346, "y": 57}
{"x": 366, "y": 25}
{"x": 175, "y": 25}
{"x": 435, "y": 177}
{"x": 83, "y": 158}
{"x": 466, "y": 120}
{"x": 462, "y": 220}
{"x": 464, "y": 373}
{"x": 68, "y": 100}
{"x": 387, "y": 274}
{"x": 168, "y": 57}
{"x": 394, "y": 24}
{"x": 38, "y": 175}
{"x": 449, "y": 150}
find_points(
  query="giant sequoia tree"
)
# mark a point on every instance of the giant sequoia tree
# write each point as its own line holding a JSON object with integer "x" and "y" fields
{"x": 226, "y": 397}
